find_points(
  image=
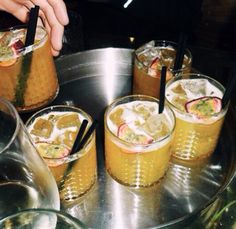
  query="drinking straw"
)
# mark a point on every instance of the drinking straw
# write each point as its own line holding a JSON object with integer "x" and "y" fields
{"x": 162, "y": 89}
{"x": 87, "y": 135}
{"x": 31, "y": 30}
{"x": 79, "y": 146}
{"x": 229, "y": 88}
{"x": 27, "y": 58}
{"x": 79, "y": 136}
{"x": 180, "y": 51}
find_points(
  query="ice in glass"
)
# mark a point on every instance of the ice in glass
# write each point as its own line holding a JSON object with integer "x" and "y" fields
{"x": 28, "y": 75}
{"x": 54, "y": 130}
{"x": 196, "y": 102}
{"x": 137, "y": 140}
{"x": 149, "y": 59}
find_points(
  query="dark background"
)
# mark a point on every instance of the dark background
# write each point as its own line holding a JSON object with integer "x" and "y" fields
{"x": 102, "y": 23}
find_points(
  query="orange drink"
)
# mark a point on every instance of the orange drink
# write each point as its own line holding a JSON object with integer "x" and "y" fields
{"x": 196, "y": 102}
{"x": 149, "y": 59}
{"x": 137, "y": 140}
{"x": 54, "y": 130}
{"x": 28, "y": 75}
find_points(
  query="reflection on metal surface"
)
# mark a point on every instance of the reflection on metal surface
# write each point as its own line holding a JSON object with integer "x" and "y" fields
{"x": 91, "y": 80}
{"x": 110, "y": 79}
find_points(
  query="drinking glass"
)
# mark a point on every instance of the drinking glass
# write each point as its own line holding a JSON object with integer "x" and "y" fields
{"x": 149, "y": 59}
{"x": 53, "y": 130}
{"x": 28, "y": 75}
{"x": 137, "y": 140}
{"x": 196, "y": 102}
{"x": 25, "y": 180}
{"x": 41, "y": 219}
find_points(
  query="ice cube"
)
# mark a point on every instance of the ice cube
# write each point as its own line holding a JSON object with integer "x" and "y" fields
{"x": 42, "y": 128}
{"x": 194, "y": 88}
{"x": 156, "y": 126}
{"x": 144, "y": 48}
{"x": 179, "y": 102}
{"x": 129, "y": 116}
{"x": 68, "y": 120}
{"x": 142, "y": 110}
{"x": 178, "y": 89}
{"x": 116, "y": 116}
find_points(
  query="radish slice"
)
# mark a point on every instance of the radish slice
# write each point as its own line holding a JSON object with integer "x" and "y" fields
{"x": 14, "y": 50}
{"x": 155, "y": 69}
{"x": 17, "y": 46}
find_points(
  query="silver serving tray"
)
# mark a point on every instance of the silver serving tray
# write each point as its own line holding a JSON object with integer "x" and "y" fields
{"x": 93, "y": 79}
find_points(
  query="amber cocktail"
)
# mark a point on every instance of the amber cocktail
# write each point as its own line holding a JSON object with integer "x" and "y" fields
{"x": 196, "y": 102}
{"x": 28, "y": 75}
{"x": 54, "y": 130}
{"x": 137, "y": 140}
{"x": 149, "y": 59}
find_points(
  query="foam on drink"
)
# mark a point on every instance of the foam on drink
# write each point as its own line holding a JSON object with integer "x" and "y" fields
{"x": 54, "y": 130}
{"x": 180, "y": 92}
{"x": 138, "y": 122}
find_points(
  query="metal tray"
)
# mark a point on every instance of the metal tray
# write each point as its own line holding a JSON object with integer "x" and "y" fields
{"x": 93, "y": 79}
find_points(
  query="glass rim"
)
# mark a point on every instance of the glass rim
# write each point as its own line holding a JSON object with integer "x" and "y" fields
{"x": 172, "y": 43}
{"x": 69, "y": 157}
{"x": 24, "y": 50}
{"x": 44, "y": 210}
{"x": 130, "y": 144}
{"x": 198, "y": 76}
{"x": 13, "y": 111}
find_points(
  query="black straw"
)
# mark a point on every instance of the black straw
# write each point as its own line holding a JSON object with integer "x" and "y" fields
{"x": 180, "y": 51}
{"x": 31, "y": 30}
{"x": 229, "y": 88}
{"x": 87, "y": 135}
{"x": 162, "y": 89}
{"x": 79, "y": 136}
{"x": 27, "y": 59}
{"x": 79, "y": 147}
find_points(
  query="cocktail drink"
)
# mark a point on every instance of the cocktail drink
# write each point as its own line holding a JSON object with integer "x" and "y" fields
{"x": 137, "y": 140}
{"x": 196, "y": 102}
{"x": 28, "y": 75}
{"x": 54, "y": 130}
{"x": 149, "y": 59}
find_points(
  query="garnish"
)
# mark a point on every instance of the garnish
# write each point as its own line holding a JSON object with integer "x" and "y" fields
{"x": 127, "y": 134}
{"x": 52, "y": 151}
{"x": 9, "y": 54}
{"x": 155, "y": 69}
{"x": 204, "y": 107}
